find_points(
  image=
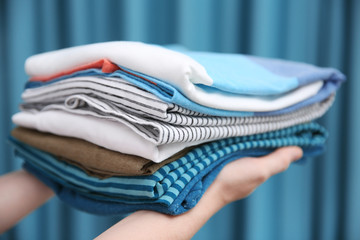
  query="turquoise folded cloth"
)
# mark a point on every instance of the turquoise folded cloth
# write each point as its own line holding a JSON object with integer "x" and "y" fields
{"x": 174, "y": 188}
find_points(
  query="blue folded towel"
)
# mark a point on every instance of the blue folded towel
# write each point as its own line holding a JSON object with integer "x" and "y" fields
{"x": 174, "y": 188}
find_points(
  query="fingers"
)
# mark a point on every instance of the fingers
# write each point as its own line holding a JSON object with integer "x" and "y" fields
{"x": 240, "y": 178}
{"x": 279, "y": 160}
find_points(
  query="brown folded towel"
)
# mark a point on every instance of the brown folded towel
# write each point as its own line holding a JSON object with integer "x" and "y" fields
{"x": 95, "y": 160}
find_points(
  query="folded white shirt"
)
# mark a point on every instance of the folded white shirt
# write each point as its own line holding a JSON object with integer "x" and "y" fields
{"x": 108, "y": 134}
{"x": 221, "y": 81}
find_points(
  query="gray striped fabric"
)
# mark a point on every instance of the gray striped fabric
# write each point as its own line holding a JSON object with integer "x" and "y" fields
{"x": 150, "y": 117}
{"x": 117, "y": 91}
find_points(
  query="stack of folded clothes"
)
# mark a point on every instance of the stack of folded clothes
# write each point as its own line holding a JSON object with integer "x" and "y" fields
{"x": 121, "y": 126}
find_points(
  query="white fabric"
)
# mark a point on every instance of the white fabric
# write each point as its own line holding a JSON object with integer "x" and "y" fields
{"x": 152, "y": 60}
{"x": 237, "y": 102}
{"x": 175, "y": 68}
{"x": 111, "y": 135}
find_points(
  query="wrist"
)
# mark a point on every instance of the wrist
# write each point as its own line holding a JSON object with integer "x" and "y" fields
{"x": 216, "y": 195}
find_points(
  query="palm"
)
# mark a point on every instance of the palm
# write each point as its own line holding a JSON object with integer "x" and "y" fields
{"x": 240, "y": 178}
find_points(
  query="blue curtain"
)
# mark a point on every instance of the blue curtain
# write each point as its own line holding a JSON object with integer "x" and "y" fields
{"x": 319, "y": 199}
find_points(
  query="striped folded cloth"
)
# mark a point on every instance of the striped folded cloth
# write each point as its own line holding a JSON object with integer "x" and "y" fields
{"x": 175, "y": 187}
{"x": 159, "y": 139}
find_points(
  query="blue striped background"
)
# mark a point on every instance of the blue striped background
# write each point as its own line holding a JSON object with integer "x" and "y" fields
{"x": 318, "y": 200}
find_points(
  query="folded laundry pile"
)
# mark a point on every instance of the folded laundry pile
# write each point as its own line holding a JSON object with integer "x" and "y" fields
{"x": 120, "y": 126}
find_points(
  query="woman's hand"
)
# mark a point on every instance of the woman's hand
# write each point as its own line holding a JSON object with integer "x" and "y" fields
{"x": 240, "y": 178}
{"x": 236, "y": 180}
{"x": 21, "y": 193}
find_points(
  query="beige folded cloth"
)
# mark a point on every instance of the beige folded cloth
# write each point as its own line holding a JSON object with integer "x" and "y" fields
{"x": 95, "y": 160}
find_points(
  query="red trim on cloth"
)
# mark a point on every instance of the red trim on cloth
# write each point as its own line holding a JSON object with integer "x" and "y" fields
{"x": 105, "y": 65}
